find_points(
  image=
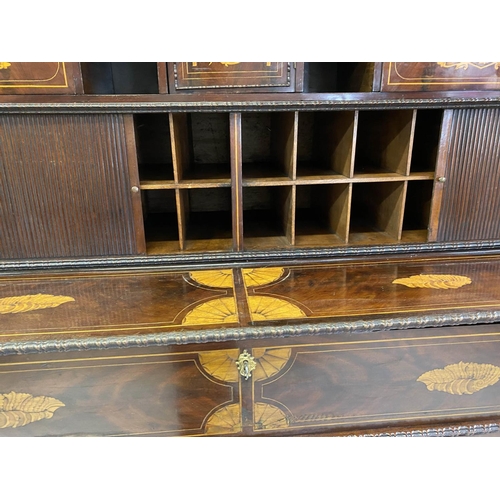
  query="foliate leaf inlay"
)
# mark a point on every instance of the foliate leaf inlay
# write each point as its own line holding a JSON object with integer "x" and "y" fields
{"x": 18, "y": 409}
{"x": 439, "y": 281}
{"x": 225, "y": 420}
{"x": 461, "y": 378}
{"x": 27, "y": 303}
{"x": 221, "y": 364}
{"x": 219, "y": 278}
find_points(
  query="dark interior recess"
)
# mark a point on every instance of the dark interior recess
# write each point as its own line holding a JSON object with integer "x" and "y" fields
{"x": 418, "y": 205}
{"x": 154, "y": 151}
{"x": 120, "y": 77}
{"x": 426, "y": 140}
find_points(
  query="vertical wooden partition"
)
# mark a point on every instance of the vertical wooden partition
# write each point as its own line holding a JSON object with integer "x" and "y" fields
{"x": 274, "y": 180}
{"x": 236, "y": 180}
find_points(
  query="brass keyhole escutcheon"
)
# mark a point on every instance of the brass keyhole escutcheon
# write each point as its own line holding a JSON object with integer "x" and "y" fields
{"x": 246, "y": 364}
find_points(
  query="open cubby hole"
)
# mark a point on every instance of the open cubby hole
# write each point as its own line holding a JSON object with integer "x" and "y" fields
{"x": 325, "y": 144}
{"x": 205, "y": 219}
{"x": 340, "y": 77}
{"x": 377, "y": 212}
{"x": 120, "y": 77}
{"x": 384, "y": 141}
{"x": 201, "y": 148}
{"x": 268, "y": 216}
{"x": 154, "y": 151}
{"x": 322, "y": 215}
{"x": 160, "y": 221}
{"x": 268, "y": 146}
{"x": 426, "y": 141}
{"x": 417, "y": 210}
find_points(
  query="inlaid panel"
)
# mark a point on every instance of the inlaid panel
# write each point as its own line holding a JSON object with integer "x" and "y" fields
{"x": 40, "y": 78}
{"x": 107, "y": 304}
{"x": 232, "y": 76}
{"x": 404, "y": 379}
{"x": 429, "y": 76}
{"x": 365, "y": 290}
{"x": 120, "y": 394}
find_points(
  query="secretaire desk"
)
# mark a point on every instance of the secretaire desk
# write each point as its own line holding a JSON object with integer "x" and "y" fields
{"x": 249, "y": 249}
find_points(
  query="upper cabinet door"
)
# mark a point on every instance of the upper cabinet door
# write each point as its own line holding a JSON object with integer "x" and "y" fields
{"x": 192, "y": 77}
{"x": 469, "y": 172}
{"x": 40, "y": 78}
{"x": 67, "y": 187}
{"x": 430, "y": 76}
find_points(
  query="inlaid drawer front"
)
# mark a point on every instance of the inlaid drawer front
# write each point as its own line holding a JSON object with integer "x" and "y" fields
{"x": 408, "y": 76}
{"x": 235, "y": 76}
{"x": 122, "y": 394}
{"x": 39, "y": 78}
{"x": 363, "y": 384}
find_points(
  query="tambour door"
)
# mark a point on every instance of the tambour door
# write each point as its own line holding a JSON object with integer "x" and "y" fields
{"x": 67, "y": 187}
{"x": 467, "y": 194}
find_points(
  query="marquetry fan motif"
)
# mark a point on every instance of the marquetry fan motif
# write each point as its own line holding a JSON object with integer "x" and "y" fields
{"x": 213, "y": 312}
{"x": 263, "y": 308}
{"x": 18, "y": 409}
{"x": 221, "y": 364}
{"x": 219, "y": 278}
{"x": 225, "y": 420}
{"x": 269, "y": 361}
{"x": 267, "y": 416}
{"x": 461, "y": 378}
{"x": 262, "y": 275}
{"x": 5, "y": 65}
{"x": 440, "y": 281}
{"x": 27, "y": 303}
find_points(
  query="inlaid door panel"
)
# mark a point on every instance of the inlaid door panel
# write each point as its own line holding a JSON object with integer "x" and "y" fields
{"x": 121, "y": 394}
{"x": 365, "y": 383}
{"x": 40, "y": 78}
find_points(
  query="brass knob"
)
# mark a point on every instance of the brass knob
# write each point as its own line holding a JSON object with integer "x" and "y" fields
{"x": 134, "y": 189}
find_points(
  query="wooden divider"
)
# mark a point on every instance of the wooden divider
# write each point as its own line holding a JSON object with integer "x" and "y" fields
{"x": 305, "y": 179}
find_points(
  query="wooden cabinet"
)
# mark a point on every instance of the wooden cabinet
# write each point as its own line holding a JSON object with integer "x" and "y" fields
{"x": 298, "y": 179}
{"x": 234, "y": 77}
{"x": 411, "y": 76}
{"x": 40, "y": 78}
{"x": 333, "y": 348}
{"x": 308, "y": 257}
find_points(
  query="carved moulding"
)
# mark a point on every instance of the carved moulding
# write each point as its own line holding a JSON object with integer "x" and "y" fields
{"x": 249, "y": 333}
{"x": 258, "y": 258}
{"x": 92, "y": 104}
{"x": 462, "y": 430}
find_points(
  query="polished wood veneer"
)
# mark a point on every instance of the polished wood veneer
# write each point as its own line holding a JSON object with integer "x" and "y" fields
{"x": 128, "y": 302}
{"x": 331, "y": 352}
